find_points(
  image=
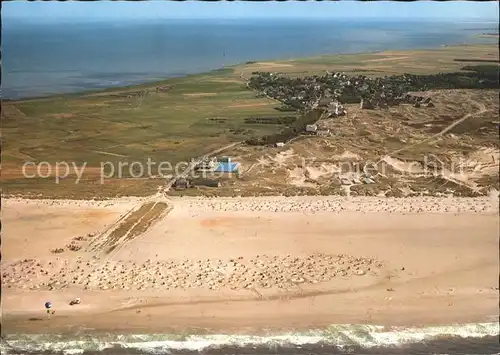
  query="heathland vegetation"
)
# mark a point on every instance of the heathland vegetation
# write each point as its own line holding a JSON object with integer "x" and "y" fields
{"x": 177, "y": 119}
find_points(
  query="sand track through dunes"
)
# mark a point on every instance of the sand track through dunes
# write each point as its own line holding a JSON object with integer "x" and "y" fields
{"x": 130, "y": 226}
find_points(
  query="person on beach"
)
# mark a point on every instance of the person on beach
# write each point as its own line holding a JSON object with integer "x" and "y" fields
{"x": 48, "y": 307}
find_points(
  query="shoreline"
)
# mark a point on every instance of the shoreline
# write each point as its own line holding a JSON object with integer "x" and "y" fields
{"x": 333, "y": 339}
{"x": 134, "y": 323}
{"x": 493, "y": 328}
{"x": 478, "y": 42}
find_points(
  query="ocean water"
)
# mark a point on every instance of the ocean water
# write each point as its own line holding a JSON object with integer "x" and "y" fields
{"x": 50, "y": 58}
{"x": 477, "y": 338}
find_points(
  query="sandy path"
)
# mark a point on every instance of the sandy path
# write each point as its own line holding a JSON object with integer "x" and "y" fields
{"x": 109, "y": 153}
{"x": 200, "y": 94}
{"x": 257, "y": 104}
{"x": 270, "y": 65}
{"x": 481, "y": 109}
{"x": 386, "y": 59}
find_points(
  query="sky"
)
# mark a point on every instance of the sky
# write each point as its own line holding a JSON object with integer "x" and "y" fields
{"x": 52, "y": 11}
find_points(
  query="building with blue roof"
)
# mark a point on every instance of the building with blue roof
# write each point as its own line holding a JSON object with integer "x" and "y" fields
{"x": 227, "y": 167}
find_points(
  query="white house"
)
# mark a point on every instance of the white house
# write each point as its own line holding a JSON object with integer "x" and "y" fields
{"x": 311, "y": 128}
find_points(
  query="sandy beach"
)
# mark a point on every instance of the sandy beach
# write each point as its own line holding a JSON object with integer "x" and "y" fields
{"x": 251, "y": 265}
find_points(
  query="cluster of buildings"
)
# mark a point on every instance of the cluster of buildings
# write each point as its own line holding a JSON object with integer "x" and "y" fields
{"x": 214, "y": 164}
{"x": 208, "y": 172}
{"x": 328, "y": 94}
{"x": 332, "y": 89}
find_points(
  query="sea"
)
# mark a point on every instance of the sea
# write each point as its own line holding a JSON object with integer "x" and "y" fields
{"x": 459, "y": 339}
{"x": 43, "y": 58}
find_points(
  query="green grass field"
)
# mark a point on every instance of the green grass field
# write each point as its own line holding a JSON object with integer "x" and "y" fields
{"x": 198, "y": 114}
{"x": 95, "y": 128}
{"x": 427, "y": 61}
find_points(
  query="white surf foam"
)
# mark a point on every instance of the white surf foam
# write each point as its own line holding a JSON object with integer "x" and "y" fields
{"x": 338, "y": 335}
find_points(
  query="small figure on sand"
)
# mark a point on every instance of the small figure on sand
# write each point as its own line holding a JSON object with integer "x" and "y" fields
{"x": 48, "y": 307}
{"x": 75, "y": 301}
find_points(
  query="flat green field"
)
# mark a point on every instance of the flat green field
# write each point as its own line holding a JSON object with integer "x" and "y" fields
{"x": 197, "y": 114}
{"x": 429, "y": 61}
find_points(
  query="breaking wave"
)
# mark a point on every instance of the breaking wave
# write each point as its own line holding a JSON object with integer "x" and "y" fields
{"x": 334, "y": 339}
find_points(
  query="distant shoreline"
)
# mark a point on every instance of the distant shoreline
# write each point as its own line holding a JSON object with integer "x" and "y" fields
{"x": 147, "y": 84}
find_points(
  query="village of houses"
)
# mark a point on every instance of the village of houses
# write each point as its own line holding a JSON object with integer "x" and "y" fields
{"x": 340, "y": 100}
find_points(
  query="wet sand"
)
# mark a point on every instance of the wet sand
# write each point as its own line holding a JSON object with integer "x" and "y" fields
{"x": 250, "y": 265}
